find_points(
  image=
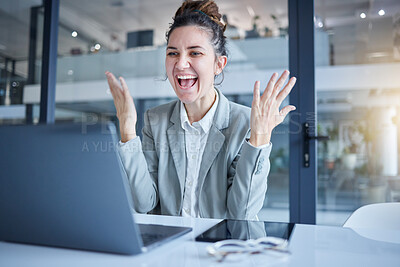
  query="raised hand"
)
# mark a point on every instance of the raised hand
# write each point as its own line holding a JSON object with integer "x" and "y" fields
{"x": 265, "y": 113}
{"x": 126, "y": 111}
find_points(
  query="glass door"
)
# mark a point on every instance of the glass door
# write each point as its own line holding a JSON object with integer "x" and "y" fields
{"x": 358, "y": 96}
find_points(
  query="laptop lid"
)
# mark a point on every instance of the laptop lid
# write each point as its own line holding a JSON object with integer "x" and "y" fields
{"x": 63, "y": 185}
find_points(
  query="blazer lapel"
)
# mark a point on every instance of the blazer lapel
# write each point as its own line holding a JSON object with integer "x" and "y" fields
{"x": 216, "y": 138}
{"x": 176, "y": 140}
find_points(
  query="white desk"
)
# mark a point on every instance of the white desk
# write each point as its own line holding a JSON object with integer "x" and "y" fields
{"x": 310, "y": 246}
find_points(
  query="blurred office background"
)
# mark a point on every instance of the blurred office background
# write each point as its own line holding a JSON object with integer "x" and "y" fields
{"x": 357, "y": 56}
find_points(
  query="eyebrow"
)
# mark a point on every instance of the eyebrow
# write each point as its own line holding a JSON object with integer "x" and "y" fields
{"x": 190, "y": 47}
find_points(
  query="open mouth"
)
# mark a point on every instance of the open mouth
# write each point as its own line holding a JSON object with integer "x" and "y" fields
{"x": 186, "y": 81}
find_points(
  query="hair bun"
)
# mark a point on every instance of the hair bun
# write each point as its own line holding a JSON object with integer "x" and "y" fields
{"x": 207, "y": 7}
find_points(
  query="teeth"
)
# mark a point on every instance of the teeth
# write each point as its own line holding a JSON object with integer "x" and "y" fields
{"x": 184, "y": 77}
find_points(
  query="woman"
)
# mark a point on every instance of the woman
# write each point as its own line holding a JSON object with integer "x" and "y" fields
{"x": 198, "y": 156}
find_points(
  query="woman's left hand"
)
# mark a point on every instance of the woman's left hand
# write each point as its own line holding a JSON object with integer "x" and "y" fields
{"x": 265, "y": 113}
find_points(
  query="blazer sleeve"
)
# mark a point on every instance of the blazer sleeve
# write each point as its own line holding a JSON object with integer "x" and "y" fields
{"x": 140, "y": 162}
{"x": 247, "y": 182}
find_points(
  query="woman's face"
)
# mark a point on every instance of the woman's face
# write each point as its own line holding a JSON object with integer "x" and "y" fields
{"x": 191, "y": 64}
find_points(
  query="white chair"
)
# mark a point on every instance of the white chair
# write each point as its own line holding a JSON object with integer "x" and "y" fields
{"x": 382, "y": 217}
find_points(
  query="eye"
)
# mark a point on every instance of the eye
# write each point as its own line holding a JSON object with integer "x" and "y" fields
{"x": 171, "y": 54}
{"x": 194, "y": 53}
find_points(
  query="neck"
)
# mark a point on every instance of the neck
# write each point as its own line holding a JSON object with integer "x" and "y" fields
{"x": 196, "y": 111}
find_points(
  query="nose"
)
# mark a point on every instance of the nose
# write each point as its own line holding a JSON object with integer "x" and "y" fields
{"x": 182, "y": 63}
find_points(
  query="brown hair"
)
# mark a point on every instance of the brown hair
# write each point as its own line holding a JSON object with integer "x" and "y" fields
{"x": 204, "y": 14}
{"x": 208, "y": 8}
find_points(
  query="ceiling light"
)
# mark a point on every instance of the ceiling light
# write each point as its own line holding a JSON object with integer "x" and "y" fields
{"x": 381, "y": 12}
{"x": 74, "y": 34}
{"x": 363, "y": 15}
{"x": 97, "y": 46}
{"x": 377, "y": 54}
{"x": 251, "y": 11}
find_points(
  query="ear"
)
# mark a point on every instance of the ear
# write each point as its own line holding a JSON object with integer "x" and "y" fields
{"x": 220, "y": 64}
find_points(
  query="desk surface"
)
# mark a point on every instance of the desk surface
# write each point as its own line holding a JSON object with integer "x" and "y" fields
{"x": 310, "y": 246}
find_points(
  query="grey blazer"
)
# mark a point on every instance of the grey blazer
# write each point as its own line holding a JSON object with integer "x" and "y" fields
{"x": 232, "y": 177}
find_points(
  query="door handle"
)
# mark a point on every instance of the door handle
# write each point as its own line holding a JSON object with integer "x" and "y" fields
{"x": 307, "y": 138}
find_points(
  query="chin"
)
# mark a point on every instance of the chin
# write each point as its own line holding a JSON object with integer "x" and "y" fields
{"x": 186, "y": 96}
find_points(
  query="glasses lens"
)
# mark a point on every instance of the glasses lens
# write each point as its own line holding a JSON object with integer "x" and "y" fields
{"x": 272, "y": 242}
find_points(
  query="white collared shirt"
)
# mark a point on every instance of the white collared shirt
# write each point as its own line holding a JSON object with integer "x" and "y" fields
{"x": 196, "y": 135}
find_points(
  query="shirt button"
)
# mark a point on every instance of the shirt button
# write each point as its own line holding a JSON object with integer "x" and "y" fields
{"x": 194, "y": 157}
{"x": 190, "y": 183}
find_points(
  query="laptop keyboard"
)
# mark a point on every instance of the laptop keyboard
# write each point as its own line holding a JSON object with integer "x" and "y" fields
{"x": 150, "y": 238}
{"x": 153, "y": 234}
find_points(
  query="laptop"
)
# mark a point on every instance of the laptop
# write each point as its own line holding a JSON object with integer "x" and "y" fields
{"x": 64, "y": 185}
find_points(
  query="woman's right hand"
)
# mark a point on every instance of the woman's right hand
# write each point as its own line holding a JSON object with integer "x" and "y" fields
{"x": 126, "y": 111}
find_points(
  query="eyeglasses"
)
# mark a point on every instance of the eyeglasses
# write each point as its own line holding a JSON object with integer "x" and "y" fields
{"x": 221, "y": 249}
